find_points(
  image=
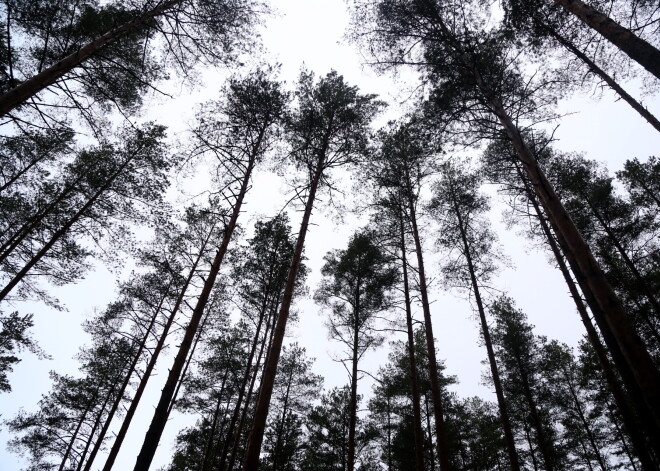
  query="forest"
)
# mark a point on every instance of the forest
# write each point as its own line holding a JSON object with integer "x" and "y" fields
{"x": 224, "y": 247}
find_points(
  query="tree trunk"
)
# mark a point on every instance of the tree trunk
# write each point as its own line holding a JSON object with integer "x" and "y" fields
{"x": 255, "y": 437}
{"x": 499, "y": 392}
{"x": 243, "y": 386}
{"x": 605, "y": 77}
{"x": 626, "y": 449}
{"x": 430, "y": 430}
{"x": 161, "y": 413}
{"x": 150, "y": 366}
{"x": 583, "y": 419}
{"x": 29, "y": 88}
{"x": 214, "y": 423}
{"x": 253, "y": 380}
{"x": 352, "y": 420}
{"x": 632, "y": 348}
{"x": 628, "y": 415}
{"x": 443, "y": 449}
{"x": 417, "y": 413}
{"x": 636, "y": 48}
{"x": 543, "y": 442}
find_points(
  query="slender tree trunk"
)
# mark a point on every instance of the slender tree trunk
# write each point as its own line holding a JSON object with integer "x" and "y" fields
{"x": 161, "y": 413}
{"x": 430, "y": 430}
{"x": 63, "y": 230}
{"x": 127, "y": 379}
{"x": 530, "y": 444}
{"x": 69, "y": 446}
{"x": 244, "y": 383}
{"x": 152, "y": 363}
{"x": 352, "y": 420}
{"x": 255, "y": 437}
{"x": 241, "y": 424}
{"x": 541, "y": 437}
{"x": 635, "y": 47}
{"x": 628, "y": 415}
{"x": 417, "y": 413}
{"x": 214, "y": 423}
{"x": 583, "y": 419}
{"x": 97, "y": 422}
{"x": 632, "y": 348}
{"x": 280, "y": 427}
{"x": 622, "y": 439}
{"x": 443, "y": 449}
{"x": 30, "y": 87}
{"x": 499, "y": 392}
{"x": 605, "y": 77}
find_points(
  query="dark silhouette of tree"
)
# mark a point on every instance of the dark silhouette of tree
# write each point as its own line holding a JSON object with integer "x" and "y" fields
{"x": 355, "y": 287}
{"x": 328, "y": 129}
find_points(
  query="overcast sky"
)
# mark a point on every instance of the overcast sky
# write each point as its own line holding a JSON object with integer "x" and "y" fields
{"x": 310, "y": 34}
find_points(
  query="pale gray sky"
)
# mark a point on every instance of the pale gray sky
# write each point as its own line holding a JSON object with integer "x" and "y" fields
{"x": 310, "y": 34}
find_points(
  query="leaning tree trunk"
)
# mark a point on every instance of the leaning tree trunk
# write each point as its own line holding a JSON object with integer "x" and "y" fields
{"x": 414, "y": 387}
{"x": 29, "y": 88}
{"x": 622, "y": 402}
{"x": 635, "y": 47}
{"x": 114, "y": 451}
{"x": 161, "y": 413}
{"x": 256, "y": 435}
{"x": 441, "y": 439}
{"x": 632, "y": 348}
{"x": 253, "y": 380}
{"x": 244, "y": 384}
{"x": 499, "y": 392}
{"x": 605, "y": 77}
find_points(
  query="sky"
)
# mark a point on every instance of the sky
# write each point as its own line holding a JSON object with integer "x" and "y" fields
{"x": 310, "y": 34}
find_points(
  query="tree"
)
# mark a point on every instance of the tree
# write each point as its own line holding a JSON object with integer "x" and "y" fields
{"x": 240, "y": 140}
{"x": 101, "y": 191}
{"x": 517, "y": 351}
{"x": 328, "y": 129}
{"x": 295, "y": 388}
{"x": 402, "y": 165}
{"x": 355, "y": 287}
{"x": 459, "y": 208}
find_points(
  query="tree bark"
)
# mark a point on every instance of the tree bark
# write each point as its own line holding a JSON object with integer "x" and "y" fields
{"x": 255, "y": 437}
{"x": 417, "y": 413}
{"x": 352, "y": 421}
{"x": 636, "y": 48}
{"x": 161, "y": 413}
{"x": 29, "y": 88}
{"x": 441, "y": 440}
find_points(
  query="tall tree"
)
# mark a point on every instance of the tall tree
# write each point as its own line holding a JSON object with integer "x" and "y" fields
{"x": 459, "y": 209}
{"x": 328, "y": 129}
{"x": 402, "y": 165}
{"x": 355, "y": 287}
{"x": 239, "y": 138}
